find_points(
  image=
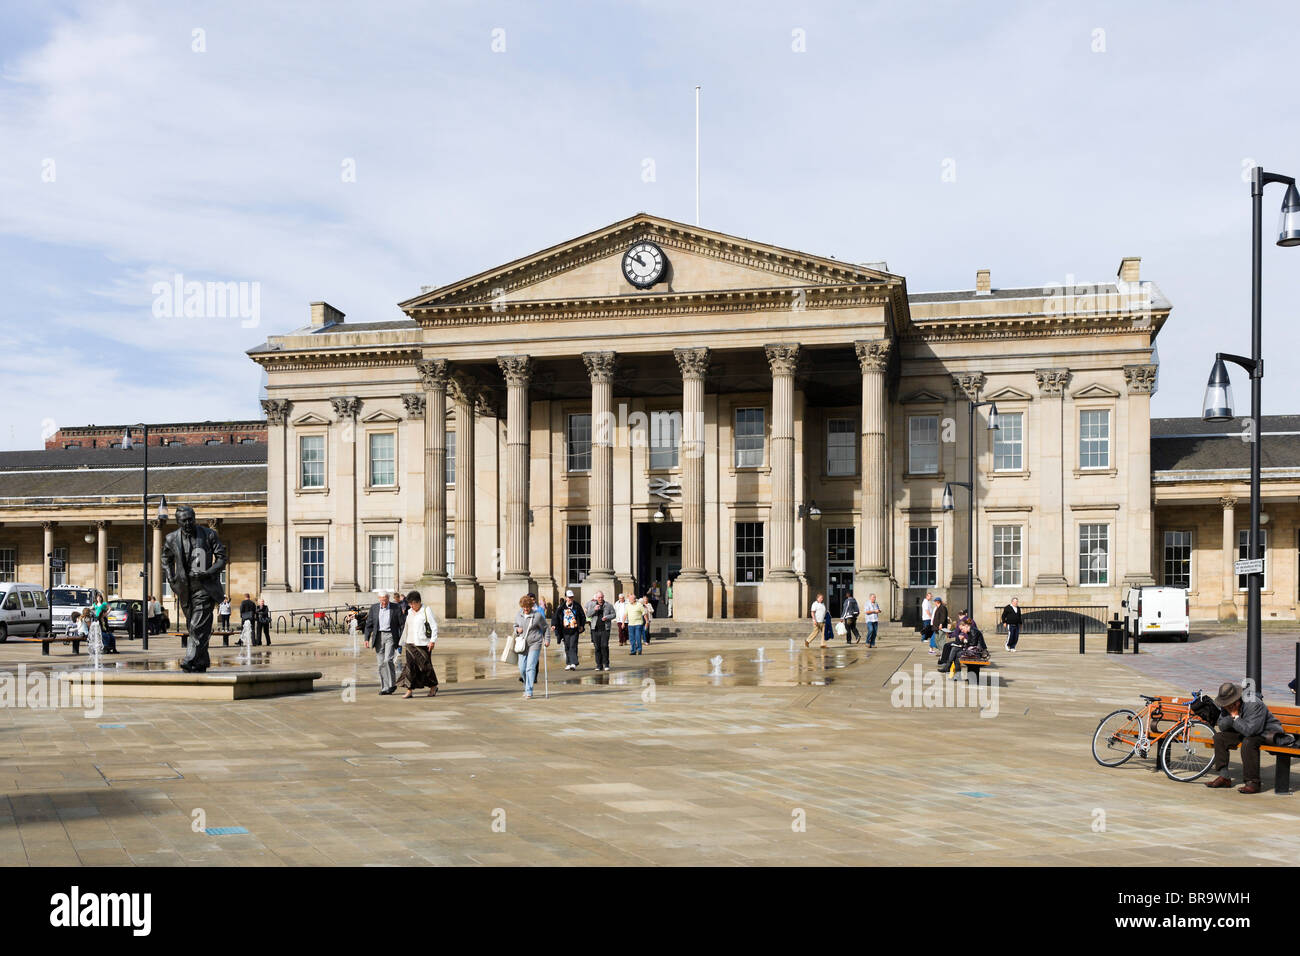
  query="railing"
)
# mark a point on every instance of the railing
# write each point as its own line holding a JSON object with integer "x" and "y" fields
{"x": 1058, "y": 620}
{"x": 324, "y": 620}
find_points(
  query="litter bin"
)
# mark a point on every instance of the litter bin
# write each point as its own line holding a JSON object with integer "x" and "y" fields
{"x": 1115, "y": 636}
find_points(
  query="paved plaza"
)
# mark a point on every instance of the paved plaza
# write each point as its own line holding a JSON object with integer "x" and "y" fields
{"x": 804, "y": 759}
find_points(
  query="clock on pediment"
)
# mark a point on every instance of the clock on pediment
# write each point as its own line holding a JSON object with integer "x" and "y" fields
{"x": 644, "y": 264}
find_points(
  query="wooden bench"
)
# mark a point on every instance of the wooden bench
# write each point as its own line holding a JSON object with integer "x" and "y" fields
{"x": 972, "y": 667}
{"x": 52, "y": 639}
{"x": 1289, "y": 718}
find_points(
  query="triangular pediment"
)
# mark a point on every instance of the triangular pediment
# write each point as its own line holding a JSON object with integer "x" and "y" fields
{"x": 923, "y": 396}
{"x": 699, "y": 260}
{"x": 311, "y": 418}
{"x": 1009, "y": 394}
{"x": 380, "y": 416}
{"x": 1095, "y": 391}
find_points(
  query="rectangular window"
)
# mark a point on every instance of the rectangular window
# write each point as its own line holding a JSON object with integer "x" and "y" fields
{"x": 1007, "y": 555}
{"x": 749, "y": 549}
{"x": 1009, "y": 443}
{"x": 313, "y": 563}
{"x": 1094, "y": 554}
{"x": 311, "y": 461}
{"x": 579, "y": 552}
{"x": 923, "y": 445}
{"x": 750, "y": 432}
{"x": 114, "y": 570}
{"x": 383, "y": 460}
{"x": 451, "y": 555}
{"x": 59, "y": 579}
{"x": 1094, "y": 438}
{"x": 578, "y": 443}
{"x": 261, "y": 565}
{"x": 1178, "y": 559}
{"x": 841, "y": 447}
{"x": 451, "y": 458}
{"x": 665, "y": 439}
{"x": 9, "y": 564}
{"x": 383, "y": 562}
{"x": 839, "y": 545}
{"x": 922, "y": 557}
{"x": 1243, "y": 552}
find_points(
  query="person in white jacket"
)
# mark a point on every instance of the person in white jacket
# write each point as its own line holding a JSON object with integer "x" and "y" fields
{"x": 419, "y": 634}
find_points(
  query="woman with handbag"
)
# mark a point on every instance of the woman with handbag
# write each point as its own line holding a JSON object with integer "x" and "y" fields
{"x": 531, "y": 635}
{"x": 419, "y": 634}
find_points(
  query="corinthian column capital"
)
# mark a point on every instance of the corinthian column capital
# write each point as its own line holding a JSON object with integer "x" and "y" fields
{"x": 782, "y": 359}
{"x": 600, "y": 366}
{"x": 276, "y": 410}
{"x": 969, "y": 384}
{"x": 346, "y": 407}
{"x": 694, "y": 363}
{"x": 873, "y": 356}
{"x": 1141, "y": 379}
{"x": 1052, "y": 381}
{"x": 434, "y": 374}
{"x": 518, "y": 369}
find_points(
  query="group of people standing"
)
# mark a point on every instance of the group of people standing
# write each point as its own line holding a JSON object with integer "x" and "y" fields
{"x": 252, "y": 611}
{"x": 850, "y": 611}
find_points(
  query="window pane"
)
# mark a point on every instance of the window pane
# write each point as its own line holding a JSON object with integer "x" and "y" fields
{"x": 841, "y": 446}
{"x": 313, "y": 563}
{"x": 1006, "y": 555}
{"x": 114, "y": 570}
{"x": 923, "y": 444}
{"x": 665, "y": 438}
{"x": 451, "y": 554}
{"x": 1094, "y": 439}
{"x": 9, "y": 564}
{"x": 1008, "y": 442}
{"x": 839, "y": 545}
{"x": 311, "y": 457}
{"x": 1178, "y": 559}
{"x": 579, "y": 552}
{"x": 383, "y": 460}
{"x": 579, "y": 443}
{"x": 922, "y": 557}
{"x": 383, "y": 562}
{"x": 261, "y": 561}
{"x": 451, "y": 458}
{"x": 750, "y": 432}
{"x": 60, "y": 578}
{"x": 1094, "y": 554}
{"x": 1243, "y": 552}
{"x": 749, "y": 552}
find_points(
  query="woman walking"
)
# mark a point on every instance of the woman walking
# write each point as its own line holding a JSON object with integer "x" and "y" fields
{"x": 419, "y": 634}
{"x": 531, "y": 625}
{"x": 636, "y": 615}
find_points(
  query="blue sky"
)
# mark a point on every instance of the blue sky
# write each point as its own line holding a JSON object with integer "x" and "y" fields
{"x": 1072, "y": 148}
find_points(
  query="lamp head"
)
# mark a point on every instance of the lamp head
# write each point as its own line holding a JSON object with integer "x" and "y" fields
{"x": 1217, "y": 406}
{"x": 1288, "y": 227}
{"x": 993, "y": 417}
{"x": 126, "y": 439}
{"x": 947, "y": 497}
{"x": 659, "y": 516}
{"x": 162, "y": 509}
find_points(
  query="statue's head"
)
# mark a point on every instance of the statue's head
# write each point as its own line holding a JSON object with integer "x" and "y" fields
{"x": 185, "y": 519}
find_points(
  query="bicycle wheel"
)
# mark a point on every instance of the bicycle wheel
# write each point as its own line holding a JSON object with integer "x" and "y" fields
{"x": 1116, "y": 738}
{"x": 1186, "y": 753}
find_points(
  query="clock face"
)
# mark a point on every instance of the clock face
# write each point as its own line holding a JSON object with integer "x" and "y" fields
{"x": 644, "y": 264}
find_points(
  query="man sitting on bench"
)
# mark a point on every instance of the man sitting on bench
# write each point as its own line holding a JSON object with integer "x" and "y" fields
{"x": 1245, "y": 722}
{"x": 967, "y": 635}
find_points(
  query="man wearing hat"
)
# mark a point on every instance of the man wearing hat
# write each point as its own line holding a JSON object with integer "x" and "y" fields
{"x": 568, "y": 623}
{"x": 1244, "y": 722}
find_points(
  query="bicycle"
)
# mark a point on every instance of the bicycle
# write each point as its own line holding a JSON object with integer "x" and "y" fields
{"x": 1184, "y": 751}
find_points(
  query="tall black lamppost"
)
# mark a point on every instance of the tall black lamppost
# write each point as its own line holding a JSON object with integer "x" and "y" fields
{"x": 144, "y": 530}
{"x": 1218, "y": 393}
{"x": 970, "y": 488}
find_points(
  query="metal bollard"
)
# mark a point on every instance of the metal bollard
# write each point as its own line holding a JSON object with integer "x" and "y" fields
{"x": 1297, "y": 674}
{"x": 1083, "y": 624}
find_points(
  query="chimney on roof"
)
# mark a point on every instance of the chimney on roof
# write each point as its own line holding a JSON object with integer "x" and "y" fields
{"x": 983, "y": 282}
{"x": 323, "y": 314}
{"x": 1130, "y": 269}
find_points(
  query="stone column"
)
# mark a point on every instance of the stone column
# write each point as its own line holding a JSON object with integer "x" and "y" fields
{"x": 516, "y": 580}
{"x": 872, "y": 575}
{"x": 1141, "y": 381}
{"x": 1051, "y": 521}
{"x": 344, "y": 489}
{"x": 465, "y": 394}
{"x": 778, "y": 598}
{"x": 434, "y": 375}
{"x": 155, "y": 560}
{"x": 692, "y": 595}
{"x": 48, "y": 548}
{"x": 279, "y": 471}
{"x": 101, "y": 558}
{"x": 600, "y": 369}
{"x": 1228, "y": 600}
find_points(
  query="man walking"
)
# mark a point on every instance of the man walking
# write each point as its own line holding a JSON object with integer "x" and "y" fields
{"x": 383, "y": 633}
{"x": 873, "y": 619}
{"x": 620, "y": 618}
{"x": 601, "y": 616}
{"x": 849, "y": 612}
{"x": 193, "y": 559}
{"x": 938, "y": 623}
{"x": 1245, "y": 722}
{"x": 263, "y": 621}
{"x": 1011, "y": 618}
{"x": 568, "y": 624}
{"x": 927, "y": 617}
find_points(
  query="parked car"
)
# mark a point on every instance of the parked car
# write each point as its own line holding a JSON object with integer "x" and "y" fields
{"x": 24, "y": 611}
{"x": 124, "y": 615}
{"x": 1152, "y": 611}
{"x": 64, "y": 602}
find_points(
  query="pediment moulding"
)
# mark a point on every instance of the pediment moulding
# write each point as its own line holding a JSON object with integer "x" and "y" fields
{"x": 381, "y": 415}
{"x": 1094, "y": 391}
{"x": 922, "y": 396}
{"x": 1009, "y": 394}
{"x": 311, "y": 418}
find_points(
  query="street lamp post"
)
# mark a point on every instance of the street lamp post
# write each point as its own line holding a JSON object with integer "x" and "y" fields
{"x": 1218, "y": 392}
{"x": 970, "y": 488}
{"x": 144, "y": 530}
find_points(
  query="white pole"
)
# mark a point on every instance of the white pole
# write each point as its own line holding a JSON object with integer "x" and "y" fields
{"x": 697, "y": 156}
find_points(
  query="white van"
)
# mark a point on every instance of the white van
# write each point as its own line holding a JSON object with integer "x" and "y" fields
{"x": 1151, "y": 611}
{"x": 24, "y": 612}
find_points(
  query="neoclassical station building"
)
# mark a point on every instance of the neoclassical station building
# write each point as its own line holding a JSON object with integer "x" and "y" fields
{"x": 656, "y": 401}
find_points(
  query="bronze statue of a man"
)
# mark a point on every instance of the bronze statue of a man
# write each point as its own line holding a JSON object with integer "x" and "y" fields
{"x": 193, "y": 559}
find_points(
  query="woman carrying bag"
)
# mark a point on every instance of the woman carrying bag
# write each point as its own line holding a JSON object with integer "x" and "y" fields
{"x": 419, "y": 634}
{"x": 531, "y": 635}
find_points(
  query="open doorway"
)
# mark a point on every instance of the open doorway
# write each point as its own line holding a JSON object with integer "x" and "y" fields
{"x": 658, "y": 558}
